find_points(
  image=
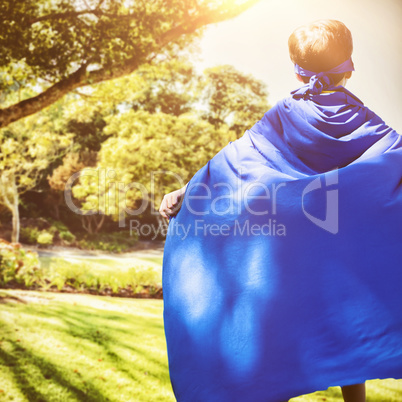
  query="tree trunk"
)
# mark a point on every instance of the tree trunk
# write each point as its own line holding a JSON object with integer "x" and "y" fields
{"x": 56, "y": 212}
{"x": 7, "y": 186}
{"x": 86, "y": 223}
{"x": 88, "y": 220}
{"x": 56, "y": 206}
{"x": 16, "y": 214}
{"x": 99, "y": 223}
{"x": 16, "y": 225}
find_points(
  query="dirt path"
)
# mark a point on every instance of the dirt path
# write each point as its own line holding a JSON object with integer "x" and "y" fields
{"x": 143, "y": 250}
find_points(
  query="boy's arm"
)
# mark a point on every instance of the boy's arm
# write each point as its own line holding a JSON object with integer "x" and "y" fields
{"x": 171, "y": 202}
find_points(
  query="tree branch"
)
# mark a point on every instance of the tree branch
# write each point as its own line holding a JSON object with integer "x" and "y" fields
{"x": 46, "y": 98}
{"x": 66, "y": 14}
{"x": 71, "y": 14}
{"x": 82, "y": 78}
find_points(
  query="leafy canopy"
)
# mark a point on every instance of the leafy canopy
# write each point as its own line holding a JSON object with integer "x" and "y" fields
{"x": 56, "y": 46}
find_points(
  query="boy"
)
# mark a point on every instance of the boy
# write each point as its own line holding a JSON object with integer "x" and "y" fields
{"x": 318, "y": 46}
{"x": 254, "y": 317}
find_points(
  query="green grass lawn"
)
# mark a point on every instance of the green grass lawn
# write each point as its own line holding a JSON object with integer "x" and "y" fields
{"x": 155, "y": 260}
{"x": 74, "y": 347}
{"x": 71, "y": 347}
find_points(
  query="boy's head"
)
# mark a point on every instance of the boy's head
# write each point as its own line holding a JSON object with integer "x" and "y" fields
{"x": 321, "y": 46}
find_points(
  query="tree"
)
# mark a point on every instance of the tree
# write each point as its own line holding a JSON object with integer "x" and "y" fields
{"x": 73, "y": 162}
{"x": 26, "y": 149}
{"x": 233, "y": 98}
{"x": 88, "y": 135}
{"x": 148, "y": 155}
{"x": 145, "y": 143}
{"x": 169, "y": 87}
{"x": 165, "y": 118}
{"x": 55, "y": 47}
{"x": 96, "y": 194}
{"x": 220, "y": 95}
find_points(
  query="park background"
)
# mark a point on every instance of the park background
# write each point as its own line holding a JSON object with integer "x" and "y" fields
{"x": 179, "y": 94}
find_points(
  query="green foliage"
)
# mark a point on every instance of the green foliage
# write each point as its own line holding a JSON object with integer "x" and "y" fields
{"x": 53, "y": 47}
{"x": 83, "y": 277}
{"x": 78, "y": 276}
{"x": 164, "y": 123}
{"x": 143, "y": 148}
{"x": 52, "y": 38}
{"x": 67, "y": 237}
{"x": 57, "y": 226}
{"x": 115, "y": 242}
{"x": 88, "y": 135}
{"x": 27, "y": 147}
{"x": 29, "y": 235}
{"x": 71, "y": 164}
{"x": 168, "y": 87}
{"x": 221, "y": 95}
{"x": 47, "y": 232}
{"x": 17, "y": 266}
{"x": 45, "y": 238}
{"x": 174, "y": 119}
{"x": 233, "y": 98}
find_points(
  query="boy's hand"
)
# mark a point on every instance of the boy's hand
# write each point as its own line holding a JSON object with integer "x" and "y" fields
{"x": 171, "y": 203}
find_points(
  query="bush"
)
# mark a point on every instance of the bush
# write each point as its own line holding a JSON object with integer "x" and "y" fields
{"x": 61, "y": 232}
{"x": 29, "y": 235}
{"x": 45, "y": 238}
{"x": 58, "y": 226}
{"x": 141, "y": 278}
{"x": 67, "y": 237}
{"x": 18, "y": 266}
{"x": 81, "y": 277}
{"x": 38, "y": 231}
{"x": 114, "y": 242}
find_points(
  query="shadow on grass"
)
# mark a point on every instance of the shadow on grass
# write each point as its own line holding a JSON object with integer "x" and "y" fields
{"x": 78, "y": 326}
{"x": 99, "y": 333}
{"x": 108, "y": 347}
{"x": 5, "y": 298}
{"x": 29, "y": 388}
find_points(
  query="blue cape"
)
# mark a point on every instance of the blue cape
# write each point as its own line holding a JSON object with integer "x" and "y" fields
{"x": 282, "y": 272}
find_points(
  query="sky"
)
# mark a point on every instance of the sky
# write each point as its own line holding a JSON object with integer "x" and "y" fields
{"x": 256, "y": 43}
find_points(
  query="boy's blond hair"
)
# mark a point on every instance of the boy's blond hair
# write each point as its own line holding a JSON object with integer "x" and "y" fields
{"x": 321, "y": 46}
